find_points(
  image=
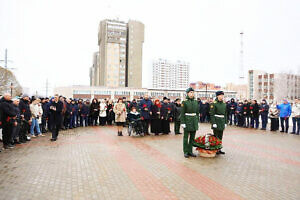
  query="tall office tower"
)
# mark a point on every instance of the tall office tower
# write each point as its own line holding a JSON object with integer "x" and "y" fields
{"x": 174, "y": 75}
{"x": 120, "y": 57}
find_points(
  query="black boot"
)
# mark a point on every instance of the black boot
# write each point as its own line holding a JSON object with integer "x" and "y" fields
{"x": 121, "y": 133}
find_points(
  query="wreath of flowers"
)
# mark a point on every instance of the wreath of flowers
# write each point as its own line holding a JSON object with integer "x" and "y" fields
{"x": 213, "y": 143}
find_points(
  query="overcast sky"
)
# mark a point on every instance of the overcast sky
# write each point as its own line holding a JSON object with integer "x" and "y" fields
{"x": 55, "y": 39}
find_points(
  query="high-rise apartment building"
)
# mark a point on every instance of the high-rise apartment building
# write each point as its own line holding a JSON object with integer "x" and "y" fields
{"x": 120, "y": 54}
{"x": 276, "y": 86}
{"x": 95, "y": 70}
{"x": 168, "y": 74}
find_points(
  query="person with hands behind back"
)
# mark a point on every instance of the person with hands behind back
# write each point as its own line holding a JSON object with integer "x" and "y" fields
{"x": 218, "y": 116}
{"x": 189, "y": 119}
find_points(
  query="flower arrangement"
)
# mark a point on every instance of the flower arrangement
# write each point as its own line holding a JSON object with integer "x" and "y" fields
{"x": 208, "y": 142}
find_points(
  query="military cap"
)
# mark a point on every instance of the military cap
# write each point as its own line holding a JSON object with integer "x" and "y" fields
{"x": 189, "y": 90}
{"x": 219, "y": 93}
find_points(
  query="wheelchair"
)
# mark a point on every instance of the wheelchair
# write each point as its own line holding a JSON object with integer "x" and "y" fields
{"x": 135, "y": 127}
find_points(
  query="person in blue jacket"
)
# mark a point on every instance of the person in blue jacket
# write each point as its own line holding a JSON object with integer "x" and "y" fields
{"x": 285, "y": 110}
{"x": 74, "y": 114}
{"x": 239, "y": 114}
{"x": 232, "y": 114}
{"x": 145, "y": 109}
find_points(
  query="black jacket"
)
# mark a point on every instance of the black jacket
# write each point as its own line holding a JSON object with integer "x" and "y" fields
{"x": 56, "y": 115}
{"x": 24, "y": 109}
{"x": 8, "y": 112}
{"x": 166, "y": 111}
{"x": 177, "y": 112}
{"x": 254, "y": 110}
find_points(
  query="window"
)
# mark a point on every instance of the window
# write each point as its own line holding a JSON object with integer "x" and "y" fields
{"x": 122, "y": 93}
{"x": 81, "y": 92}
{"x": 103, "y": 92}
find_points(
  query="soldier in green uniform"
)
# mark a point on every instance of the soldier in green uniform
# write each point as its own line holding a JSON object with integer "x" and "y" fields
{"x": 218, "y": 116}
{"x": 189, "y": 119}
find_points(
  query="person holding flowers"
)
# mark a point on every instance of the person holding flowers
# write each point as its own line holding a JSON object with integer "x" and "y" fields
{"x": 145, "y": 109}
{"x": 155, "y": 118}
{"x": 165, "y": 116}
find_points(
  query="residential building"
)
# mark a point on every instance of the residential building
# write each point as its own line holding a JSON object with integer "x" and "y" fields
{"x": 275, "y": 86}
{"x": 167, "y": 74}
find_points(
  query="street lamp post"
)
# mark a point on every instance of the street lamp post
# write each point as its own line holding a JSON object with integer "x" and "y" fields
{"x": 11, "y": 89}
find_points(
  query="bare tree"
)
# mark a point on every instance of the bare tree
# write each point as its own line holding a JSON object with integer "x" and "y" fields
{"x": 8, "y": 80}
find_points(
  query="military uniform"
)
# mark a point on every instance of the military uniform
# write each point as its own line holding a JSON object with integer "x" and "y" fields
{"x": 190, "y": 118}
{"x": 218, "y": 116}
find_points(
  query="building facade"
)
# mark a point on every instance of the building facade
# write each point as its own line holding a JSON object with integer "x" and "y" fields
{"x": 275, "y": 86}
{"x": 88, "y": 92}
{"x": 174, "y": 75}
{"x": 241, "y": 89}
{"x": 95, "y": 70}
{"x": 120, "y": 54}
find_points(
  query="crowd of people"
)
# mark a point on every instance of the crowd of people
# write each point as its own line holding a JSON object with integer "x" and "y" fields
{"x": 24, "y": 118}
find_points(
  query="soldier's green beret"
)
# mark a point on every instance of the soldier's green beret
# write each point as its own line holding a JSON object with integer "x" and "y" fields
{"x": 189, "y": 90}
{"x": 219, "y": 93}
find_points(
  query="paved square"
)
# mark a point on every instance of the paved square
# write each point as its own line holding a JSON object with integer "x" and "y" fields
{"x": 93, "y": 163}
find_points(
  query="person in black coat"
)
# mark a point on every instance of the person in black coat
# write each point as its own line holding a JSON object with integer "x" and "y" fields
{"x": 56, "y": 108}
{"x": 110, "y": 112}
{"x": 155, "y": 118}
{"x": 254, "y": 114}
{"x": 8, "y": 120}
{"x": 177, "y": 113}
{"x": 246, "y": 114}
{"x": 94, "y": 111}
{"x": 84, "y": 114}
{"x": 25, "y": 111}
{"x": 45, "y": 114}
{"x": 165, "y": 116}
{"x": 16, "y": 127}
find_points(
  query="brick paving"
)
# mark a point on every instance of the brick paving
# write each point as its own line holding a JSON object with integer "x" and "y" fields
{"x": 93, "y": 163}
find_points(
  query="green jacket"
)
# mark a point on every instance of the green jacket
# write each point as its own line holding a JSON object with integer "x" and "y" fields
{"x": 217, "y": 110}
{"x": 190, "y": 106}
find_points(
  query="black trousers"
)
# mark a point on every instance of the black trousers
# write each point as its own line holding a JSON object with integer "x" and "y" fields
{"x": 24, "y": 126}
{"x": 247, "y": 121}
{"x": 7, "y": 134}
{"x": 165, "y": 126}
{"x": 44, "y": 123}
{"x": 102, "y": 121}
{"x": 146, "y": 123}
{"x": 284, "y": 120}
{"x": 15, "y": 131}
{"x": 55, "y": 130}
{"x": 274, "y": 124}
{"x": 241, "y": 120}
